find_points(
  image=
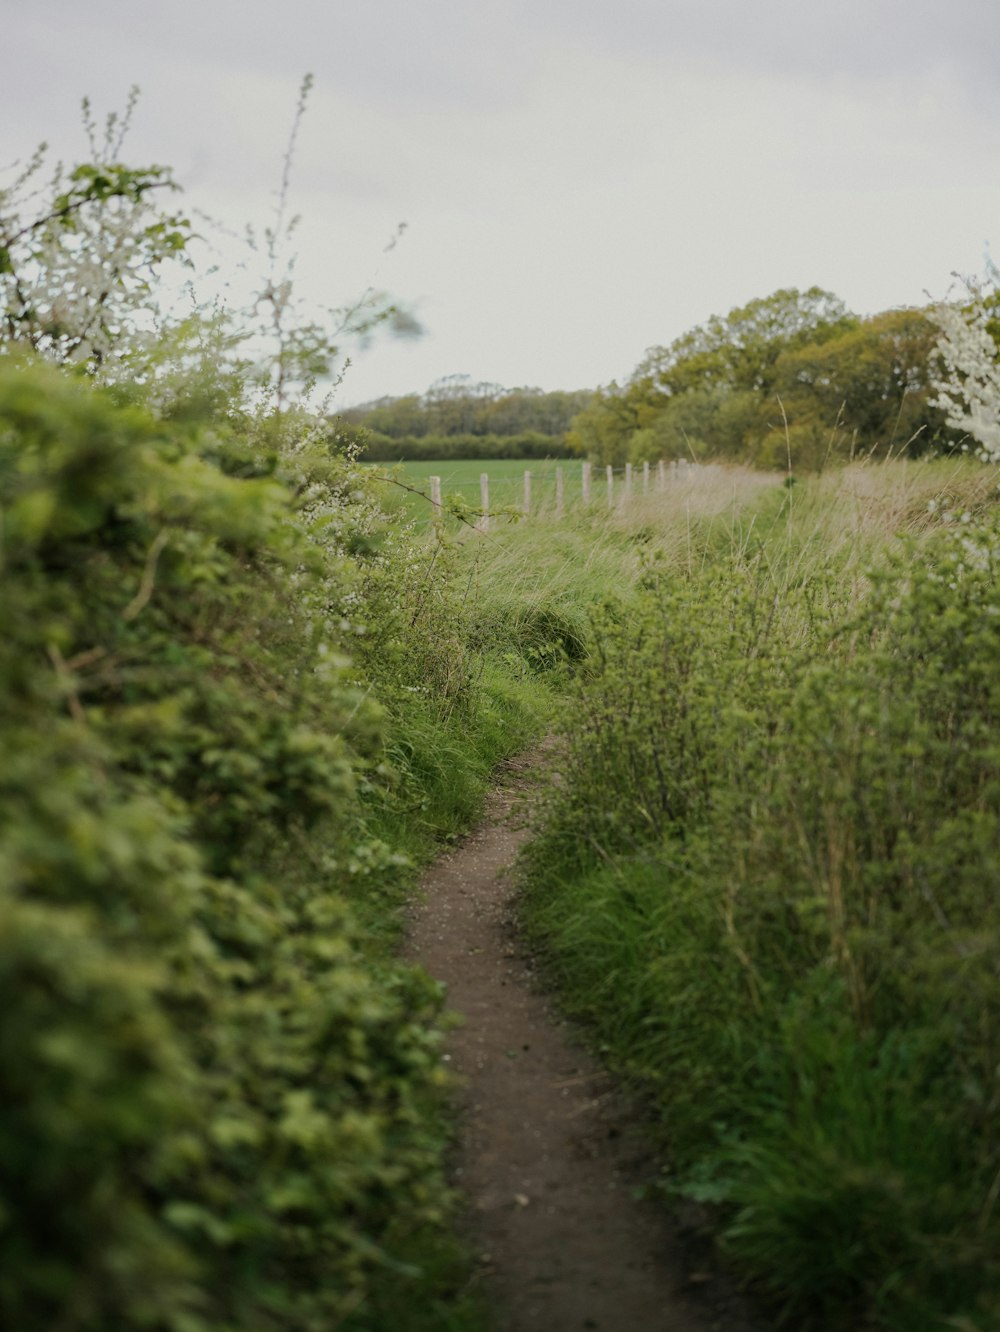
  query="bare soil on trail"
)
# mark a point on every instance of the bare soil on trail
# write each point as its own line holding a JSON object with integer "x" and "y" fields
{"x": 549, "y": 1159}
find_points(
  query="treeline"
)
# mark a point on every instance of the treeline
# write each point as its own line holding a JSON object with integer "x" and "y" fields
{"x": 457, "y": 418}
{"x": 792, "y": 378}
{"x": 382, "y": 448}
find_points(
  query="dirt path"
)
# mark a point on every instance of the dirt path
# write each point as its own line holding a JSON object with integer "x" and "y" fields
{"x": 548, "y": 1159}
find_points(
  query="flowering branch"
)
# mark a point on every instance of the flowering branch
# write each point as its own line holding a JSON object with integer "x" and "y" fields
{"x": 968, "y": 389}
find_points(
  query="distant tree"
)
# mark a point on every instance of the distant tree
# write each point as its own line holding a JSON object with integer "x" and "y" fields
{"x": 714, "y": 421}
{"x": 702, "y": 394}
{"x": 455, "y": 404}
{"x": 457, "y": 407}
{"x": 605, "y": 427}
{"x": 843, "y": 383}
{"x": 395, "y": 417}
{"x": 872, "y": 384}
{"x": 741, "y": 349}
{"x": 533, "y": 409}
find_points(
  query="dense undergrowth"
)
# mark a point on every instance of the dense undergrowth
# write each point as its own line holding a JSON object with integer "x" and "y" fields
{"x": 769, "y": 882}
{"x": 236, "y": 709}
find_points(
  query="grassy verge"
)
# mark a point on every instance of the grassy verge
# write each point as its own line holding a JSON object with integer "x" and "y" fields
{"x": 768, "y": 882}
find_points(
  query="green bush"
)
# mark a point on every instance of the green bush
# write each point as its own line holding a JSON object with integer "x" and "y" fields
{"x": 219, "y": 1109}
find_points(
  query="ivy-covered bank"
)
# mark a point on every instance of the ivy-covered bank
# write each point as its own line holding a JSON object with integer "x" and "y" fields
{"x": 222, "y": 682}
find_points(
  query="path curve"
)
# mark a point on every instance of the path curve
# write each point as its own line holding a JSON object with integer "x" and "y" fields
{"x": 547, "y": 1159}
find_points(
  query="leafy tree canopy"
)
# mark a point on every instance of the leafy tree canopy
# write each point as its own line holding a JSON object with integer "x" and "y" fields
{"x": 790, "y": 377}
{"x": 740, "y": 349}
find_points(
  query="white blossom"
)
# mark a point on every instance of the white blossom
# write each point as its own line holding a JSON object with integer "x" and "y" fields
{"x": 968, "y": 389}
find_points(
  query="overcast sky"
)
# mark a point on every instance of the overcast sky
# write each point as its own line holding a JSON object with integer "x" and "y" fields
{"x": 580, "y": 179}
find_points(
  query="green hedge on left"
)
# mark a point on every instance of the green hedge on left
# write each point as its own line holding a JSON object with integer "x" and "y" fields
{"x": 214, "y": 1102}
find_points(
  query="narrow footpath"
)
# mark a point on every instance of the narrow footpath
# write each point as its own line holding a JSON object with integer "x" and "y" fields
{"x": 548, "y": 1158}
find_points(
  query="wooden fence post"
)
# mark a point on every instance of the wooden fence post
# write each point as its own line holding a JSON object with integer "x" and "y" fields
{"x": 611, "y": 486}
{"x": 585, "y": 483}
{"x": 560, "y": 493}
{"x": 628, "y": 482}
{"x": 436, "y": 492}
{"x": 661, "y": 475}
{"x": 484, "y": 501}
{"x": 645, "y": 477}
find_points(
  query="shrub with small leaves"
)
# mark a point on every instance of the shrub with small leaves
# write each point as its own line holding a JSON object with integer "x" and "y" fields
{"x": 216, "y": 1104}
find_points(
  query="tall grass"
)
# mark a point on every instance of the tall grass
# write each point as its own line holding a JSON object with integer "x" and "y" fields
{"x": 535, "y": 582}
{"x": 769, "y": 880}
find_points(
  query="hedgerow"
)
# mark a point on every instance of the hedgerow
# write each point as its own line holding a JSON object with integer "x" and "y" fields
{"x": 219, "y": 1105}
{"x": 238, "y": 705}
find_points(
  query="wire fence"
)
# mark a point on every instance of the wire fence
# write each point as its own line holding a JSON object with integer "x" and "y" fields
{"x": 550, "y": 491}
